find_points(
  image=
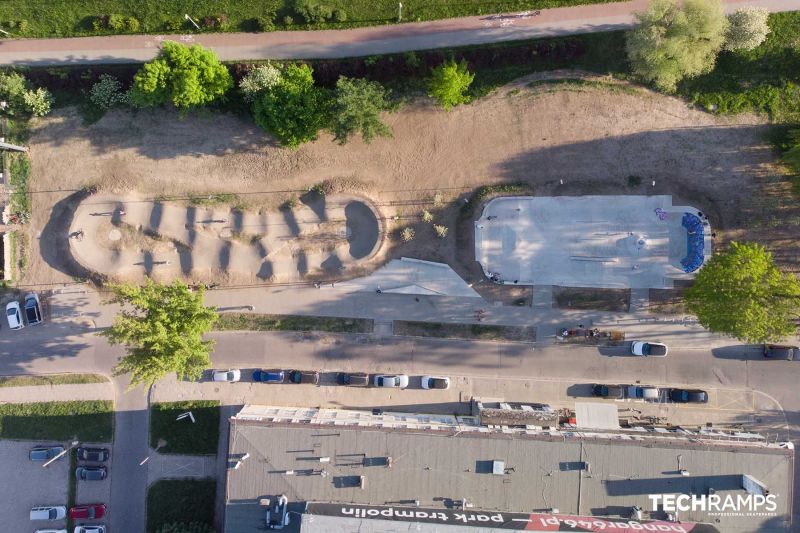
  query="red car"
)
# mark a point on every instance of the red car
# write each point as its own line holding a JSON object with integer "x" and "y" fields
{"x": 88, "y": 512}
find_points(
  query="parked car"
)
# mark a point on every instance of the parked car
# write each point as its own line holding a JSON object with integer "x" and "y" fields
{"x": 269, "y": 376}
{"x": 614, "y": 392}
{"x": 277, "y": 516}
{"x": 51, "y": 531}
{"x": 353, "y": 379}
{"x": 44, "y": 453}
{"x": 95, "y": 455}
{"x": 91, "y": 473}
{"x": 649, "y": 349}
{"x": 435, "y": 382}
{"x": 231, "y": 376}
{"x": 782, "y": 352}
{"x": 646, "y": 392}
{"x": 14, "y": 315}
{"x": 90, "y": 529}
{"x": 688, "y": 396}
{"x": 91, "y": 511}
{"x": 304, "y": 377}
{"x": 33, "y": 309}
{"x": 48, "y": 512}
{"x": 399, "y": 381}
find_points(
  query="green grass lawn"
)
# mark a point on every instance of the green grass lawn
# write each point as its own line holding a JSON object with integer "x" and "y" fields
{"x": 183, "y": 436}
{"x": 63, "y": 18}
{"x": 90, "y": 421}
{"x": 55, "y": 379}
{"x": 255, "y": 322}
{"x": 184, "y": 500}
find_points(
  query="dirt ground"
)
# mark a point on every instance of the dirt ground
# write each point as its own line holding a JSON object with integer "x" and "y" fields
{"x": 564, "y": 140}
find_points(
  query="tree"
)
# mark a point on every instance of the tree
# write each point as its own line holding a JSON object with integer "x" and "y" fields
{"x": 186, "y": 76}
{"x": 258, "y": 80}
{"x": 671, "y": 43}
{"x": 748, "y": 27}
{"x": 38, "y": 102}
{"x": 162, "y": 328}
{"x": 450, "y": 82}
{"x": 357, "y": 108}
{"x": 741, "y": 292}
{"x": 295, "y": 109}
{"x": 21, "y": 98}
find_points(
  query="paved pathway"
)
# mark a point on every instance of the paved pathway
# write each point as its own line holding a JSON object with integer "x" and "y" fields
{"x": 346, "y": 43}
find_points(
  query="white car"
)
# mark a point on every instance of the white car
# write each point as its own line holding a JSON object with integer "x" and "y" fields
{"x": 399, "y": 381}
{"x": 14, "y": 315}
{"x": 649, "y": 349}
{"x": 435, "y": 382}
{"x": 231, "y": 376}
{"x": 49, "y": 512}
{"x": 90, "y": 529}
{"x": 51, "y": 531}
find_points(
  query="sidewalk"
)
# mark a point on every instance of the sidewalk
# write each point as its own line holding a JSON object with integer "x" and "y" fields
{"x": 346, "y": 43}
{"x": 347, "y": 302}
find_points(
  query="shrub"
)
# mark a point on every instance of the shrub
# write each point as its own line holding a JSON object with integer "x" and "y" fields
{"x": 427, "y": 216}
{"x": 441, "y": 231}
{"x": 20, "y": 26}
{"x": 265, "y": 23}
{"x": 748, "y": 28}
{"x": 215, "y": 22}
{"x": 107, "y": 93}
{"x": 407, "y": 234}
{"x": 131, "y": 24}
{"x": 339, "y": 15}
{"x": 288, "y": 20}
{"x": 449, "y": 84}
{"x": 257, "y": 80}
{"x": 312, "y": 12}
{"x": 438, "y": 199}
{"x": 175, "y": 25}
{"x": 38, "y": 101}
{"x": 115, "y": 22}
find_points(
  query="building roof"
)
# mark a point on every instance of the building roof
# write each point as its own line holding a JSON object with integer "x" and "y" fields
{"x": 348, "y": 463}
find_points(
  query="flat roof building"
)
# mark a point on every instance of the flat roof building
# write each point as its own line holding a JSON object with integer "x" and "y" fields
{"x": 444, "y": 462}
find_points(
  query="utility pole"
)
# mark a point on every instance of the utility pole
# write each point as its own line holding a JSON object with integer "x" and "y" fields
{"x": 60, "y": 455}
{"x": 190, "y": 19}
{"x": 399, "y": 11}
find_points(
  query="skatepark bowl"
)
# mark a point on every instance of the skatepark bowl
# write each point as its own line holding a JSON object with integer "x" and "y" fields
{"x": 130, "y": 238}
{"x": 591, "y": 241}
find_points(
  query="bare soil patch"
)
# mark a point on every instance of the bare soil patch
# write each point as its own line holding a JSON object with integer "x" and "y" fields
{"x": 485, "y": 332}
{"x": 596, "y": 299}
{"x": 555, "y": 142}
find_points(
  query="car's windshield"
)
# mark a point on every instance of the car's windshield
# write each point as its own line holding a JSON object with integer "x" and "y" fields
{"x": 646, "y": 349}
{"x": 11, "y": 312}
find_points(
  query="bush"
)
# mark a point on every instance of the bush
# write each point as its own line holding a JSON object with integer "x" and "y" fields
{"x": 312, "y": 12}
{"x": 288, "y": 20}
{"x": 407, "y": 234}
{"x": 427, "y": 216}
{"x": 257, "y": 80}
{"x": 748, "y": 28}
{"x": 449, "y": 84}
{"x": 441, "y": 231}
{"x": 20, "y": 26}
{"x": 131, "y": 24}
{"x": 39, "y": 101}
{"x": 265, "y": 23}
{"x": 115, "y": 22}
{"x": 175, "y": 25}
{"x": 339, "y": 15}
{"x": 107, "y": 93}
{"x": 215, "y": 22}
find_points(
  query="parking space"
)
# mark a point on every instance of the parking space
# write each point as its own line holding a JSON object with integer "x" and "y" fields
{"x": 88, "y": 492}
{"x": 27, "y": 484}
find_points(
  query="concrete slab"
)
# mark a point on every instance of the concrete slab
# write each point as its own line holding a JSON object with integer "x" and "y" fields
{"x": 413, "y": 276}
{"x": 586, "y": 241}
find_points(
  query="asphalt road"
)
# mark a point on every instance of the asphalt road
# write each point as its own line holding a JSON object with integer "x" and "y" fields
{"x": 347, "y": 43}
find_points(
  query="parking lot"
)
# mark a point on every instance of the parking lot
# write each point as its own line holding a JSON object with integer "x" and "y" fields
{"x": 94, "y": 491}
{"x": 26, "y": 484}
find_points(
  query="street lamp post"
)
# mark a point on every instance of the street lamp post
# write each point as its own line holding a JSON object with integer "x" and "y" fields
{"x": 190, "y": 19}
{"x": 60, "y": 455}
{"x": 399, "y": 11}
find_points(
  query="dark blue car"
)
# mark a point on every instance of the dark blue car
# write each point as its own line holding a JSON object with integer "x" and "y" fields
{"x": 269, "y": 376}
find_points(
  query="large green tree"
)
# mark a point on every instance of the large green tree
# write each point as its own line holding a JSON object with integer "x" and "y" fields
{"x": 294, "y": 109}
{"x": 671, "y": 42}
{"x": 449, "y": 83}
{"x": 185, "y": 76}
{"x": 741, "y": 292}
{"x": 162, "y": 328}
{"x": 358, "y": 104}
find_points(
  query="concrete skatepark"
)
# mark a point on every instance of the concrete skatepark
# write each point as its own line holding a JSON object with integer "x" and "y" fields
{"x": 590, "y": 241}
{"x": 131, "y": 238}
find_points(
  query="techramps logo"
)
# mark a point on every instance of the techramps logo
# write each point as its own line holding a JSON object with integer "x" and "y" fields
{"x": 743, "y": 505}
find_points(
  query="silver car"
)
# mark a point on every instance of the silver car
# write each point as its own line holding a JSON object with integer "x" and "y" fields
{"x": 398, "y": 381}
{"x": 14, "y": 315}
{"x": 44, "y": 453}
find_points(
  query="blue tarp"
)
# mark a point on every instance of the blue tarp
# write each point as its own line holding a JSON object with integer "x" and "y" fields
{"x": 695, "y": 242}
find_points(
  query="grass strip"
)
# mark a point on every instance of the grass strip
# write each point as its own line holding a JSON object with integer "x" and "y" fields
{"x": 256, "y": 322}
{"x": 183, "y": 436}
{"x": 90, "y": 421}
{"x": 54, "y": 379}
{"x": 465, "y": 331}
{"x": 172, "y": 501}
